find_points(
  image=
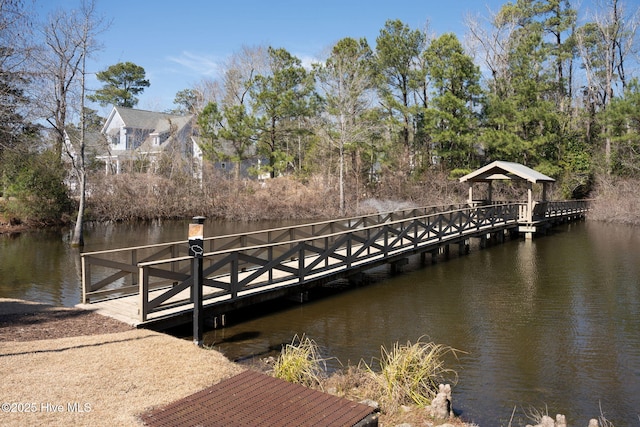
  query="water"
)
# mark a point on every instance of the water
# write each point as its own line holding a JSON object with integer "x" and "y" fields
{"x": 550, "y": 324}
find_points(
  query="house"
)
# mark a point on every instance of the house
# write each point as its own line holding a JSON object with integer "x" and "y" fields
{"x": 138, "y": 139}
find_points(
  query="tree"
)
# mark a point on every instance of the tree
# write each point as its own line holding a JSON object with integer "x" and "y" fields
{"x": 604, "y": 46}
{"x": 623, "y": 127}
{"x": 523, "y": 122}
{"x": 69, "y": 38}
{"x": 346, "y": 79}
{"x": 187, "y": 101}
{"x": 230, "y": 126}
{"x": 122, "y": 82}
{"x": 398, "y": 51}
{"x": 14, "y": 77}
{"x": 452, "y": 119}
{"x": 280, "y": 99}
{"x": 60, "y": 63}
{"x": 85, "y": 33}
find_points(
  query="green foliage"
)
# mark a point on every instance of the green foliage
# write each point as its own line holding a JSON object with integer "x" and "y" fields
{"x": 623, "y": 126}
{"x": 187, "y": 101}
{"x": 400, "y": 75}
{"x": 122, "y": 82}
{"x": 458, "y": 173}
{"x": 34, "y": 186}
{"x": 281, "y": 100}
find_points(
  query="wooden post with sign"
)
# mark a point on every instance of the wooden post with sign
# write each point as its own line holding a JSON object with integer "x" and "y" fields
{"x": 196, "y": 250}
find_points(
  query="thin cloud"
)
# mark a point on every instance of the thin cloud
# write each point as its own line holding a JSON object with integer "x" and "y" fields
{"x": 203, "y": 65}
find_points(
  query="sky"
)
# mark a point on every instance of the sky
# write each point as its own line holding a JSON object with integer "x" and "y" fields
{"x": 180, "y": 43}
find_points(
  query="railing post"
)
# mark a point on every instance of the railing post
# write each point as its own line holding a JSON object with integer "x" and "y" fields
{"x": 134, "y": 261}
{"x": 86, "y": 279}
{"x": 143, "y": 283}
{"x": 301, "y": 262}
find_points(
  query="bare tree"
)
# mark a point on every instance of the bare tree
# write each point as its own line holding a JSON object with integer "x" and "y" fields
{"x": 16, "y": 48}
{"x": 346, "y": 80}
{"x": 69, "y": 39}
{"x": 604, "y": 46}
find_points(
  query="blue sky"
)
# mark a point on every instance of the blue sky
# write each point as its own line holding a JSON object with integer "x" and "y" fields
{"x": 180, "y": 43}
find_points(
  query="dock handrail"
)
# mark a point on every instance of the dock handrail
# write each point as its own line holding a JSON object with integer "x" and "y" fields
{"x": 124, "y": 260}
{"x": 247, "y": 263}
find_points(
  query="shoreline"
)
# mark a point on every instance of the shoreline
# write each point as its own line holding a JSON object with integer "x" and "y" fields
{"x": 110, "y": 377}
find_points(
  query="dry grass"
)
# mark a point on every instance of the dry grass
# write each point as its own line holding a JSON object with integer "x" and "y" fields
{"x": 300, "y": 363}
{"x": 411, "y": 373}
{"x": 117, "y": 376}
{"x": 616, "y": 200}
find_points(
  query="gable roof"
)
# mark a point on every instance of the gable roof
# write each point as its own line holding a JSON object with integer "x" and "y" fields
{"x": 139, "y": 119}
{"x": 500, "y": 170}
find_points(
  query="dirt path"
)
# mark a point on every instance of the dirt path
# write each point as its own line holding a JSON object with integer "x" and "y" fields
{"x": 64, "y": 367}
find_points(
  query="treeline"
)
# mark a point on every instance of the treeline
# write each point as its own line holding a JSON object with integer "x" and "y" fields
{"x": 535, "y": 83}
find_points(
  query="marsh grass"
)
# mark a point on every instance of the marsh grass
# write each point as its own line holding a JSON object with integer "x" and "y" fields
{"x": 300, "y": 362}
{"x": 411, "y": 373}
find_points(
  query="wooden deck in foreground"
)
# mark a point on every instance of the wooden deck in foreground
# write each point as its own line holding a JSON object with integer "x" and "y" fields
{"x": 252, "y": 399}
{"x": 152, "y": 285}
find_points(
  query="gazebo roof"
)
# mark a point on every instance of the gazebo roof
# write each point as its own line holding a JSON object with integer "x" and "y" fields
{"x": 500, "y": 170}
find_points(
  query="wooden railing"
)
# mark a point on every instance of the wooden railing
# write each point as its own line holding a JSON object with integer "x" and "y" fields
{"x": 245, "y": 264}
{"x": 113, "y": 273}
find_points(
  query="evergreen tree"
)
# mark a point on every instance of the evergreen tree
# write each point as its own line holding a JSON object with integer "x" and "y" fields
{"x": 280, "y": 99}
{"x": 122, "y": 82}
{"x": 452, "y": 116}
{"x": 398, "y": 52}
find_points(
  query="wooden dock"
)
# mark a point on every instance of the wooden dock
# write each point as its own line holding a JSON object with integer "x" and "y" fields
{"x": 253, "y": 399}
{"x": 152, "y": 285}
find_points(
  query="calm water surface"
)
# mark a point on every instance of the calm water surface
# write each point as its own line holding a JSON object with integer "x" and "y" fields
{"x": 549, "y": 323}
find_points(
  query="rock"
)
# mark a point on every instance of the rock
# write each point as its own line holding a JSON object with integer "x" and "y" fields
{"x": 371, "y": 403}
{"x": 441, "y": 407}
{"x": 547, "y": 421}
{"x": 593, "y": 422}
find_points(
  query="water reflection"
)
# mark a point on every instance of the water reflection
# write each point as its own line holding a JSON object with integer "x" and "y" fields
{"x": 549, "y": 323}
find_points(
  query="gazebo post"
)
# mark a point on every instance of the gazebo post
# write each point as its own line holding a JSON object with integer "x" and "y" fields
{"x": 470, "y": 201}
{"x": 530, "y": 201}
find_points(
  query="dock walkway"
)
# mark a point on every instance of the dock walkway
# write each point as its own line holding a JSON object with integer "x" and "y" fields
{"x": 153, "y": 284}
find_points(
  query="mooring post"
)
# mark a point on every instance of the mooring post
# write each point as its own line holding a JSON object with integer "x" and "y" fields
{"x": 196, "y": 250}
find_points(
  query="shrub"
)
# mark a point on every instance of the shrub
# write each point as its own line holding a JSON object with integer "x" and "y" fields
{"x": 300, "y": 363}
{"x": 411, "y": 373}
{"x": 34, "y": 186}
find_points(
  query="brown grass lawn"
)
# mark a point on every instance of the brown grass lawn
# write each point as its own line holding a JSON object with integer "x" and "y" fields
{"x": 111, "y": 377}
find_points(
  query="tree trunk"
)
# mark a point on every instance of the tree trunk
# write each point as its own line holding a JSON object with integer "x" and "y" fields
{"x": 77, "y": 239}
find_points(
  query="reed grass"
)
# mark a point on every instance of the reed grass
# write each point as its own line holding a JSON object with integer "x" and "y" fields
{"x": 300, "y": 362}
{"x": 411, "y": 373}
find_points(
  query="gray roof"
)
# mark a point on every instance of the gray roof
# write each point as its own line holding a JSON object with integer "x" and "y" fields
{"x": 500, "y": 170}
{"x": 141, "y": 119}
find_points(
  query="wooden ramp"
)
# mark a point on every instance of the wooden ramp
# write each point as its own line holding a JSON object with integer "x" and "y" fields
{"x": 252, "y": 399}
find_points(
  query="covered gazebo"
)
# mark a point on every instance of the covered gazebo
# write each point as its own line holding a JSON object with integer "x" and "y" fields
{"x": 499, "y": 170}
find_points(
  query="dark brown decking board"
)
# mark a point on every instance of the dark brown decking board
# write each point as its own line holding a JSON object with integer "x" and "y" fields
{"x": 252, "y": 399}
